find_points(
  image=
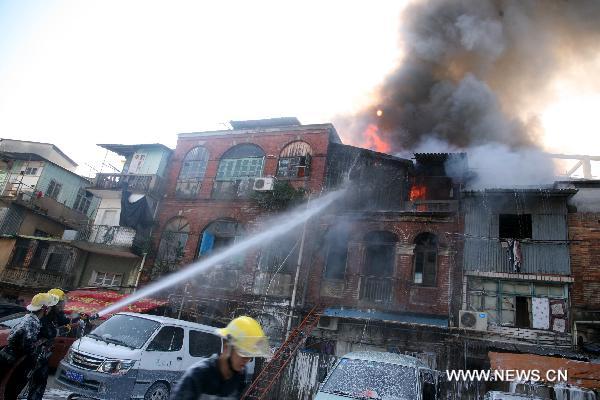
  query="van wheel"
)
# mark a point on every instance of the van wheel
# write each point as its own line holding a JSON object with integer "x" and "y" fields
{"x": 158, "y": 391}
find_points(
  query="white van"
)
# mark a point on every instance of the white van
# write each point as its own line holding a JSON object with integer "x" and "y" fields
{"x": 379, "y": 375}
{"x": 135, "y": 356}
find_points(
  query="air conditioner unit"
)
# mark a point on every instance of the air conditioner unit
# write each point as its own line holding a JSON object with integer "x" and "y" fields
{"x": 476, "y": 320}
{"x": 264, "y": 184}
{"x": 328, "y": 323}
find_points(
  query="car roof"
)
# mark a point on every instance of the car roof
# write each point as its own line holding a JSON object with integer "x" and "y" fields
{"x": 171, "y": 321}
{"x": 384, "y": 357}
{"x": 515, "y": 395}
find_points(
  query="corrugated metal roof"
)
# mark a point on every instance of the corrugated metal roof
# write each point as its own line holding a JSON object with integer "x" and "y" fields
{"x": 127, "y": 149}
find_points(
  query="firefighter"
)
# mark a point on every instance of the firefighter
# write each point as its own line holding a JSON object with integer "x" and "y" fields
{"x": 24, "y": 336}
{"x": 50, "y": 326}
{"x": 57, "y": 314}
{"x": 222, "y": 376}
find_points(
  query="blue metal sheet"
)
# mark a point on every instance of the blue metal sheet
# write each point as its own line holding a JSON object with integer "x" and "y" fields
{"x": 387, "y": 316}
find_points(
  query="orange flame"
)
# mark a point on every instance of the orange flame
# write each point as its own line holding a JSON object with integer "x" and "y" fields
{"x": 373, "y": 141}
{"x": 418, "y": 192}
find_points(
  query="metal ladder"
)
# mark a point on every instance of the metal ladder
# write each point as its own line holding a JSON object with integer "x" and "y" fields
{"x": 273, "y": 369}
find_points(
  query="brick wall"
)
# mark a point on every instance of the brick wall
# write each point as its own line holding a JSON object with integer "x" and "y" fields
{"x": 203, "y": 210}
{"x": 584, "y": 233}
{"x": 407, "y": 296}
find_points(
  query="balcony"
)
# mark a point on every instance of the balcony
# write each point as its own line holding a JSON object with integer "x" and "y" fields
{"x": 107, "y": 235}
{"x": 111, "y": 240}
{"x": 376, "y": 289}
{"x": 132, "y": 182}
{"x": 34, "y": 278}
{"x": 432, "y": 206}
{"x": 49, "y": 207}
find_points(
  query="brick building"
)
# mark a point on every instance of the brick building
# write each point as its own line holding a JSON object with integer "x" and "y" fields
{"x": 382, "y": 261}
{"x": 584, "y": 235}
{"x": 211, "y": 203}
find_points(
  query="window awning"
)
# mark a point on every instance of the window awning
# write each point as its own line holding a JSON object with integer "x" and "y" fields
{"x": 417, "y": 319}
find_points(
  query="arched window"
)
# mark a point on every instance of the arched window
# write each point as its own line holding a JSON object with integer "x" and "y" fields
{"x": 218, "y": 235}
{"x": 241, "y": 161}
{"x": 380, "y": 258}
{"x": 426, "y": 247}
{"x": 172, "y": 242}
{"x": 380, "y": 253}
{"x": 337, "y": 240}
{"x": 294, "y": 160}
{"x": 192, "y": 172}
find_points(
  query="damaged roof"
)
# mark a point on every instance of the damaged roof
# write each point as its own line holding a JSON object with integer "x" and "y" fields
{"x": 540, "y": 190}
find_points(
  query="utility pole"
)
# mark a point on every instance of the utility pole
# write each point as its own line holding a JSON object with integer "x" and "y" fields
{"x": 298, "y": 265}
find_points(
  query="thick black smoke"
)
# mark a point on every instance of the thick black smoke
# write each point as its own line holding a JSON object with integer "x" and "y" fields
{"x": 472, "y": 71}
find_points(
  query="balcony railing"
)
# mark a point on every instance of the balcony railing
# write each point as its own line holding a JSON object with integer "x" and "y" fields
{"x": 376, "y": 289}
{"x": 132, "y": 182}
{"x": 435, "y": 206}
{"x": 50, "y": 207}
{"x": 34, "y": 278}
{"x": 107, "y": 235}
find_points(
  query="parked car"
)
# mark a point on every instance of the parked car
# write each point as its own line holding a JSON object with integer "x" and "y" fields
{"x": 135, "y": 356}
{"x": 379, "y": 375}
{"x": 495, "y": 395}
{"x": 61, "y": 343}
{"x": 7, "y": 309}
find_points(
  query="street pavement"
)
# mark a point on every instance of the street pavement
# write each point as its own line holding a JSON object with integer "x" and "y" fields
{"x": 54, "y": 391}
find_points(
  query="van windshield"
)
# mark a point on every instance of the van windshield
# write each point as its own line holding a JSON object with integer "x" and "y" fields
{"x": 361, "y": 379}
{"x": 126, "y": 330}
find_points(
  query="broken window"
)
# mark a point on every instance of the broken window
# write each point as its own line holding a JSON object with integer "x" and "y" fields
{"x": 294, "y": 160}
{"x": 20, "y": 253}
{"x": 337, "y": 251}
{"x": 380, "y": 257}
{"x": 219, "y": 235}
{"x": 173, "y": 240}
{"x": 192, "y": 173}
{"x": 53, "y": 189}
{"x": 514, "y": 226}
{"x": 58, "y": 259}
{"x": 281, "y": 255}
{"x": 425, "y": 259}
{"x": 522, "y": 312}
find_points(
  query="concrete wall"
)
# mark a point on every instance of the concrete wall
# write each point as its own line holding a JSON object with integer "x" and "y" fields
{"x": 71, "y": 183}
{"x": 105, "y": 263}
{"x": 32, "y": 221}
{"x": 108, "y": 204}
{"x": 6, "y": 248}
{"x": 155, "y": 162}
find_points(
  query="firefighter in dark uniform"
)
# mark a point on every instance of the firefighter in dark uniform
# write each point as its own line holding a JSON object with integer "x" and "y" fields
{"x": 222, "y": 376}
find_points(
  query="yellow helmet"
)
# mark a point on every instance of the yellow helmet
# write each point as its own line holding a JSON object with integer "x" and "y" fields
{"x": 41, "y": 300}
{"x": 247, "y": 337}
{"x": 58, "y": 293}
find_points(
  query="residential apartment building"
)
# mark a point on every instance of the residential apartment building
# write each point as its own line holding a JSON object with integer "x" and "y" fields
{"x": 41, "y": 196}
{"x": 114, "y": 245}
